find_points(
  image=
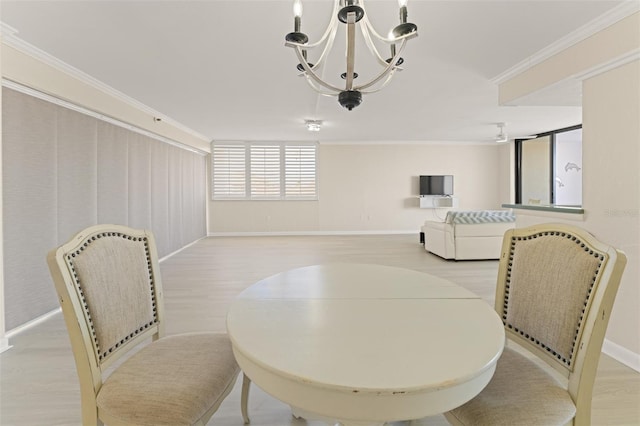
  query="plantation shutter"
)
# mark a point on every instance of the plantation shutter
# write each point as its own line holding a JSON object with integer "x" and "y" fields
{"x": 300, "y": 171}
{"x": 229, "y": 171}
{"x": 265, "y": 171}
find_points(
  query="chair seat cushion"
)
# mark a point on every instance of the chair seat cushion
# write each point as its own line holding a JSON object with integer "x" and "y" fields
{"x": 520, "y": 393}
{"x": 172, "y": 381}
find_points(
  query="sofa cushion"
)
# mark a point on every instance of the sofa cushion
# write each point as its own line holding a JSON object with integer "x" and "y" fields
{"x": 482, "y": 230}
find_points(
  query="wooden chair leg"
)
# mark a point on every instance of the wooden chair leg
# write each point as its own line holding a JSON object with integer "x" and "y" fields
{"x": 244, "y": 399}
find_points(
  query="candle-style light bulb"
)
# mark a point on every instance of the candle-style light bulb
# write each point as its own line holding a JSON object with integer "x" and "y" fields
{"x": 393, "y": 45}
{"x": 403, "y": 10}
{"x": 297, "y": 15}
{"x": 297, "y": 8}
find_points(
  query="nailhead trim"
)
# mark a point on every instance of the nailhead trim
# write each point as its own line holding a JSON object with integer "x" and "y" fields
{"x": 505, "y": 305}
{"x": 102, "y": 354}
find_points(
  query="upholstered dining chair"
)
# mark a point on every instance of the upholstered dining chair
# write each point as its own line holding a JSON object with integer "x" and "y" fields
{"x": 555, "y": 291}
{"x": 108, "y": 282}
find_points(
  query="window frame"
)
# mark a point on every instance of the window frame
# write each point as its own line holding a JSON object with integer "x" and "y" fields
{"x": 249, "y": 195}
{"x": 238, "y": 175}
{"x": 552, "y": 160}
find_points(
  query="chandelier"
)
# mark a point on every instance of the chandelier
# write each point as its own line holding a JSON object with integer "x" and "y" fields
{"x": 352, "y": 14}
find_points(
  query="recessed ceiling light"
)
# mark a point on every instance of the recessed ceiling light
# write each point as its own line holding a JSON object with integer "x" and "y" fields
{"x": 313, "y": 125}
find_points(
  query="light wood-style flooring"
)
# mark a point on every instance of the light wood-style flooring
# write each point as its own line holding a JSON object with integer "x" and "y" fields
{"x": 38, "y": 384}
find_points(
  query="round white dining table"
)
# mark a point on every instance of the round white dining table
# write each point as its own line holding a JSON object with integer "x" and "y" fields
{"x": 359, "y": 344}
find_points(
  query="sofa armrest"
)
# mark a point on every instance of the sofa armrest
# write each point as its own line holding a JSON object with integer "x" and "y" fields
{"x": 439, "y": 239}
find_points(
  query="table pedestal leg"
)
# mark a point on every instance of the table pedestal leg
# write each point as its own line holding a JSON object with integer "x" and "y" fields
{"x": 301, "y": 414}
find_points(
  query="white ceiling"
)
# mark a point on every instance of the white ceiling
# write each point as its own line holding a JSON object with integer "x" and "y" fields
{"x": 221, "y": 67}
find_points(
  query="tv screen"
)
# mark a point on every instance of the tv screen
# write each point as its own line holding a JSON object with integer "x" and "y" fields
{"x": 436, "y": 185}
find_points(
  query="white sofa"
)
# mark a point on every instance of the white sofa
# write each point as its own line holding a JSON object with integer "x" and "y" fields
{"x": 467, "y": 235}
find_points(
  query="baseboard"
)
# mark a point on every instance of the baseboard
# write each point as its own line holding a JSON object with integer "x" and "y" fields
{"x": 308, "y": 233}
{"x": 162, "y": 259}
{"x": 4, "y": 344}
{"x": 33, "y": 322}
{"x": 622, "y": 354}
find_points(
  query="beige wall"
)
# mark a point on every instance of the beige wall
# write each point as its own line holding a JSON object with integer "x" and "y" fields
{"x": 608, "y": 65}
{"x": 536, "y": 171}
{"x": 372, "y": 188}
{"x": 611, "y": 197}
{"x": 506, "y": 173}
{"x": 3, "y": 339}
{"x": 611, "y": 193}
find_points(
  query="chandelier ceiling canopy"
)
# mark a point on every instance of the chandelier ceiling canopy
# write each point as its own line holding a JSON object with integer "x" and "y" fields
{"x": 352, "y": 14}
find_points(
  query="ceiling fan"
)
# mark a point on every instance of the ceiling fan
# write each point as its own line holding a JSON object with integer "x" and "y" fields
{"x": 503, "y": 136}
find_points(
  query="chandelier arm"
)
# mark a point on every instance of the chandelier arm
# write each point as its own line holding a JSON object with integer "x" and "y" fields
{"x": 368, "y": 29}
{"x": 368, "y": 24}
{"x": 388, "y": 40}
{"x": 388, "y": 69}
{"x": 372, "y": 47}
{"x": 333, "y": 24}
{"x": 381, "y": 86}
{"x": 310, "y": 73}
{"x": 332, "y": 27}
{"x": 304, "y": 45}
{"x": 327, "y": 47}
{"x": 318, "y": 88}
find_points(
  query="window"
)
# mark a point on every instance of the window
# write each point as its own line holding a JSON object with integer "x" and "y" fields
{"x": 300, "y": 170}
{"x": 549, "y": 168}
{"x": 228, "y": 171}
{"x": 264, "y": 171}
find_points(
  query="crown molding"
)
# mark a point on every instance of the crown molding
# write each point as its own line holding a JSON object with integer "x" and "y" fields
{"x": 607, "y": 19}
{"x": 357, "y": 142}
{"x": 628, "y": 57}
{"x": 400, "y": 143}
{"x": 10, "y": 39}
{"x": 57, "y": 101}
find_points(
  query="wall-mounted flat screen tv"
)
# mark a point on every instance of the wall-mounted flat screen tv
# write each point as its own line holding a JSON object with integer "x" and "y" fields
{"x": 436, "y": 185}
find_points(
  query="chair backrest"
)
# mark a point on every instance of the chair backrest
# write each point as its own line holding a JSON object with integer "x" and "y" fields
{"x": 556, "y": 288}
{"x": 108, "y": 283}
